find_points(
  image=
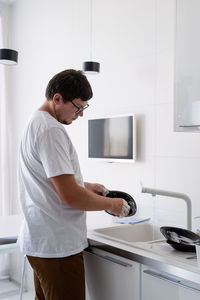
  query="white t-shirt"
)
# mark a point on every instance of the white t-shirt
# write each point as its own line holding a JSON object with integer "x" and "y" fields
{"x": 50, "y": 228}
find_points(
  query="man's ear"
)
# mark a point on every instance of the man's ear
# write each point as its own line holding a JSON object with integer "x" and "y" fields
{"x": 57, "y": 98}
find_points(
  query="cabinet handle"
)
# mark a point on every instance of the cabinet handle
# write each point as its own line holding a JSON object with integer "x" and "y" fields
{"x": 171, "y": 279}
{"x": 189, "y": 287}
{"x": 195, "y": 126}
{"x": 112, "y": 259}
{"x": 117, "y": 261}
{"x": 161, "y": 276}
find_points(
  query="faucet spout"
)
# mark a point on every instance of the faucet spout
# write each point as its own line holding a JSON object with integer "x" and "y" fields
{"x": 184, "y": 197}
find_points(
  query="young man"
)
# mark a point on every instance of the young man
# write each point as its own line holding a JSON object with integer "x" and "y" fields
{"x": 53, "y": 196}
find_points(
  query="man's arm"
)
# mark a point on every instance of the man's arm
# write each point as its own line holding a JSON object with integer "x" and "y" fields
{"x": 80, "y": 198}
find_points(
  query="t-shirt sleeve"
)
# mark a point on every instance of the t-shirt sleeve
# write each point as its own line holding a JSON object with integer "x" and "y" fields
{"x": 54, "y": 152}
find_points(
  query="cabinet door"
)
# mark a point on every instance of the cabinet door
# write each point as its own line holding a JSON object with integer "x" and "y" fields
{"x": 110, "y": 277}
{"x": 156, "y": 286}
{"x": 190, "y": 293}
{"x": 187, "y": 65}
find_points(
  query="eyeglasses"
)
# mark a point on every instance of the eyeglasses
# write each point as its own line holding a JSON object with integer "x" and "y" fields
{"x": 79, "y": 108}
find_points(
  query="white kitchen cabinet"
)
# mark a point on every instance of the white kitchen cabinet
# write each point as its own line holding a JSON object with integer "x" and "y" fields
{"x": 190, "y": 291}
{"x": 157, "y": 285}
{"x": 111, "y": 277}
{"x": 187, "y": 63}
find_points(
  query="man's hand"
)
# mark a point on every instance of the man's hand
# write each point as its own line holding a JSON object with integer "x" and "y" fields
{"x": 120, "y": 207}
{"x": 96, "y": 188}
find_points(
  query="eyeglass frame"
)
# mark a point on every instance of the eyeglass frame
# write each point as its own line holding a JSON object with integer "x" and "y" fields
{"x": 79, "y": 109}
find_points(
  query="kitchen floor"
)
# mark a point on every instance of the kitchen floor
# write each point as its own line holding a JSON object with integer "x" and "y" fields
{"x": 6, "y": 285}
{"x": 26, "y": 296}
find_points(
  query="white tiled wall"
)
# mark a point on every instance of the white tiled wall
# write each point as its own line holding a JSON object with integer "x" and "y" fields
{"x": 166, "y": 159}
{"x": 134, "y": 42}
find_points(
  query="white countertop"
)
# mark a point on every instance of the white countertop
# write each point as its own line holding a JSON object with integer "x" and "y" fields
{"x": 164, "y": 252}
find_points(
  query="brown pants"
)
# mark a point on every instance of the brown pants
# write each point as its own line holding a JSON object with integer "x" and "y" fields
{"x": 59, "y": 278}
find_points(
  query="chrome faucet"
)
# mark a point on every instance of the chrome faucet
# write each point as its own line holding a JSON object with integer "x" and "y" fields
{"x": 184, "y": 197}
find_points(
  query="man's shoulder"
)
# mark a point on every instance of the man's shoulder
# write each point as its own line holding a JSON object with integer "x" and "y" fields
{"x": 42, "y": 123}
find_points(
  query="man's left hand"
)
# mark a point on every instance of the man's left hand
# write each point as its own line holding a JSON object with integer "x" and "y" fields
{"x": 97, "y": 188}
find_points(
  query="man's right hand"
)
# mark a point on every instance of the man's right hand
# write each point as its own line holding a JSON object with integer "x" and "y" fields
{"x": 119, "y": 207}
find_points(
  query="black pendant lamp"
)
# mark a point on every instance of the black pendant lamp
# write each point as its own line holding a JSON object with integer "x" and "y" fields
{"x": 91, "y": 67}
{"x": 8, "y": 56}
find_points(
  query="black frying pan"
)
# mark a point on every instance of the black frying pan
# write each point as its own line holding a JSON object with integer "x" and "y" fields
{"x": 127, "y": 198}
{"x": 180, "y": 239}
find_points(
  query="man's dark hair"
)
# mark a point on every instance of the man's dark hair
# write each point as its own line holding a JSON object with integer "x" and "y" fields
{"x": 70, "y": 84}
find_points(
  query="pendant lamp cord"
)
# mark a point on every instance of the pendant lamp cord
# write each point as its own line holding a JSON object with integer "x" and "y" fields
{"x": 91, "y": 28}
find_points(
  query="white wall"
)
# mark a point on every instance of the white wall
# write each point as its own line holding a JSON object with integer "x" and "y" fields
{"x": 134, "y": 42}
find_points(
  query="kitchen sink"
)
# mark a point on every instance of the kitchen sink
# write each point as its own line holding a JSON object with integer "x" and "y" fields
{"x": 141, "y": 236}
{"x": 128, "y": 233}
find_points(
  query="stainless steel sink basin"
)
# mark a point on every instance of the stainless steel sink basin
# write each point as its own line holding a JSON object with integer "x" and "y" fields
{"x": 140, "y": 232}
